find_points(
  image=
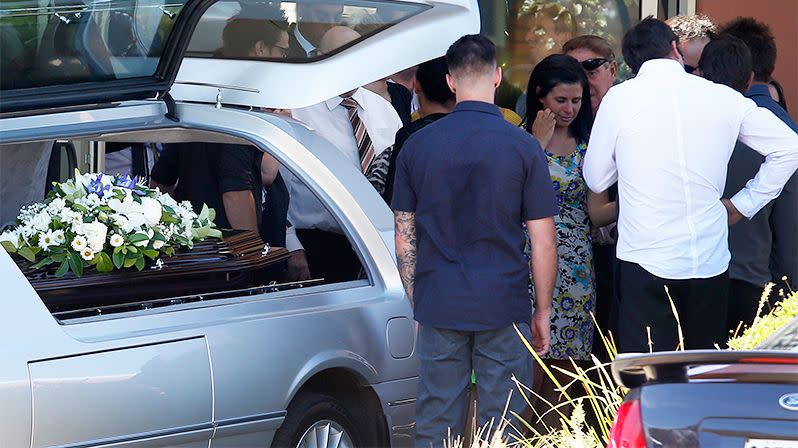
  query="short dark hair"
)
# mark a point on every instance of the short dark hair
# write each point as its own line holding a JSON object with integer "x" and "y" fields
{"x": 250, "y": 26}
{"x": 760, "y": 41}
{"x": 727, "y": 60}
{"x": 649, "y": 39}
{"x": 431, "y": 78}
{"x": 551, "y": 71}
{"x": 596, "y": 44}
{"x": 472, "y": 53}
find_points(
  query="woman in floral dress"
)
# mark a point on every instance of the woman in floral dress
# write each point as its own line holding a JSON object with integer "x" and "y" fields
{"x": 559, "y": 116}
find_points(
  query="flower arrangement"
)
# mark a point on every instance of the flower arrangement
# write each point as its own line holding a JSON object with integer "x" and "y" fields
{"x": 105, "y": 222}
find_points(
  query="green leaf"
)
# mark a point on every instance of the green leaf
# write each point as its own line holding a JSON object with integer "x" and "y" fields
{"x": 45, "y": 261}
{"x": 27, "y": 253}
{"x": 94, "y": 260}
{"x": 105, "y": 264}
{"x": 138, "y": 237}
{"x": 150, "y": 253}
{"x": 119, "y": 259}
{"x": 140, "y": 262}
{"x": 63, "y": 269}
{"x": 204, "y": 213}
{"x": 75, "y": 263}
{"x": 129, "y": 262}
{"x": 80, "y": 208}
{"x": 59, "y": 258}
{"x": 9, "y": 247}
{"x": 215, "y": 233}
{"x": 212, "y": 215}
{"x": 132, "y": 250}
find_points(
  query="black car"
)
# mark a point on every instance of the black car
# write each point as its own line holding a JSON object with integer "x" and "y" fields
{"x": 710, "y": 398}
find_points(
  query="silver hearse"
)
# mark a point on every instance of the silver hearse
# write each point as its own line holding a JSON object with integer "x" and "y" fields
{"x": 305, "y": 364}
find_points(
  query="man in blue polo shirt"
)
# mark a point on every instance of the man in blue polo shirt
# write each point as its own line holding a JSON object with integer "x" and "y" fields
{"x": 464, "y": 186}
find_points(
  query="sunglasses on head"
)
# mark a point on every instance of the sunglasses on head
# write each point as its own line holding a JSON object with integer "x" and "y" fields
{"x": 594, "y": 63}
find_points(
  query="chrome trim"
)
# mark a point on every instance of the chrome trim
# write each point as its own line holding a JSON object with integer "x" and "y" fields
{"x": 140, "y": 436}
{"x": 218, "y": 86}
{"x": 250, "y": 419}
{"x": 401, "y": 402}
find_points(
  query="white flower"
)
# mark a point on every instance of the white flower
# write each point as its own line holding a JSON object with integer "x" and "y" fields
{"x": 41, "y": 221}
{"x": 59, "y": 237}
{"x": 87, "y": 254}
{"x": 157, "y": 244}
{"x": 117, "y": 240}
{"x": 152, "y": 211}
{"x": 56, "y": 207}
{"x": 95, "y": 233}
{"x": 79, "y": 243}
{"x": 46, "y": 240}
{"x": 121, "y": 222}
{"x": 12, "y": 236}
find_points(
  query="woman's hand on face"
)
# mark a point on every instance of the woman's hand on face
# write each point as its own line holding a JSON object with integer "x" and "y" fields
{"x": 543, "y": 127}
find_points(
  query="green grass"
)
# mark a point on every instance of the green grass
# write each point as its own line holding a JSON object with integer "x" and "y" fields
{"x": 599, "y": 396}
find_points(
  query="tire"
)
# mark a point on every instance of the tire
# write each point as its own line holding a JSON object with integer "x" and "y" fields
{"x": 321, "y": 413}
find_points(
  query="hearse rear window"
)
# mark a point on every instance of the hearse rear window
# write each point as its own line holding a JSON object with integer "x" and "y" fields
{"x": 290, "y": 31}
{"x": 56, "y": 42}
{"x": 150, "y": 225}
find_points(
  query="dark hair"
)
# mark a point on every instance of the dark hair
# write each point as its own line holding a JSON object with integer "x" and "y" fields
{"x": 649, "y": 39}
{"x": 760, "y": 41}
{"x": 780, "y": 91}
{"x": 471, "y": 54}
{"x": 596, "y": 44}
{"x": 727, "y": 60}
{"x": 551, "y": 71}
{"x": 431, "y": 78}
{"x": 251, "y": 26}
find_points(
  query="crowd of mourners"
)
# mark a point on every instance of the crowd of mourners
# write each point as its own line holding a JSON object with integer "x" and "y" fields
{"x": 601, "y": 202}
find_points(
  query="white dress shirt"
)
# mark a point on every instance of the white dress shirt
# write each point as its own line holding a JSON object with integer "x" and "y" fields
{"x": 666, "y": 137}
{"x": 330, "y": 120}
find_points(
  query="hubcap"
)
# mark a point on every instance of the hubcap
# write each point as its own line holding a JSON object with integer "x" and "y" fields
{"x": 325, "y": 434}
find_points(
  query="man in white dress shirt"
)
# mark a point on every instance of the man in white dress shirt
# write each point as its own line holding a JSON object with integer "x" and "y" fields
{"x": 666, "y": 137}
{"x": 325, "y": 251}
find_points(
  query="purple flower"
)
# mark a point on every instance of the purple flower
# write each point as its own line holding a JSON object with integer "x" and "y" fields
{"x": 131, "y": 184}
{"x": 96, "y": 186}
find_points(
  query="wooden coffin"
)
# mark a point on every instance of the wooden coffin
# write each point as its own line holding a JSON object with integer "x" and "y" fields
{"x": 234, "y": 263}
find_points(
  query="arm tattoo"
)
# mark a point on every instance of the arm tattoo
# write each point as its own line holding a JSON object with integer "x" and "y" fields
{"x": 405, "y": 227}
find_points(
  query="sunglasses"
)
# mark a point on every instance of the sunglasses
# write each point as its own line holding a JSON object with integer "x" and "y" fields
{"x": 689, "y": 68}
{"x": 591, "y": 64}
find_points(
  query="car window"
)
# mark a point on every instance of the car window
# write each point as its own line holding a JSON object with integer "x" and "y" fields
{"x": 297, "y": 243}
{"x": 47, "y": 43}
{"x": 289, "y": 31}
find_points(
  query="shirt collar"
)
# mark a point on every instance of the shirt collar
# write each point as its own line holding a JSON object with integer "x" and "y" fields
{"x": 478, "y": 106}
{"x": 758, "y": 90}
{"x": 662, "y": 65}
{"x": 335, "y": 101}
{"x": 307, "y": 46}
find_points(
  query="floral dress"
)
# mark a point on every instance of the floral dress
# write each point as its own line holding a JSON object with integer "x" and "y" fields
{"x": 574, "y": 295}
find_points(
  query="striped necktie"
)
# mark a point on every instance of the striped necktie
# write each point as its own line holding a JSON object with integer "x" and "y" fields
{"x": 365, "y": 148}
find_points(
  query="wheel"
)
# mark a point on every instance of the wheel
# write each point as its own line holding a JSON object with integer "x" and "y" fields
{"x": 317, "y": 420}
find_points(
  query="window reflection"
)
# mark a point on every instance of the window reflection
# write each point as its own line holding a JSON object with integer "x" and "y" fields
{"x": 526, "y": 31}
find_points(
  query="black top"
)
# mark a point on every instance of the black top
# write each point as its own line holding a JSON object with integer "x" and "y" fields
{"x": 206, "y": 171}
{"x": 401, "y": 100}
{"x": 401, "y": 136}
{"x": 472, "y": 179}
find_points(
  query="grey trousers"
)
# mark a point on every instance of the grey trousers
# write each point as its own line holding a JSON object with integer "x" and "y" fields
{"x": 447, "y": 359}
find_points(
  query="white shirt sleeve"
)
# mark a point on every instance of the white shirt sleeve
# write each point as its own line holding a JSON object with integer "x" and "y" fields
{"x": 766, "y": 134}
{"x": 600, "y": 170}
{"x": 292, "y": 242}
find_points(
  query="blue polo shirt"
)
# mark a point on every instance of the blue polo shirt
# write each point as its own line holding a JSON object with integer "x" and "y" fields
{"x": 472, "y": 179}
